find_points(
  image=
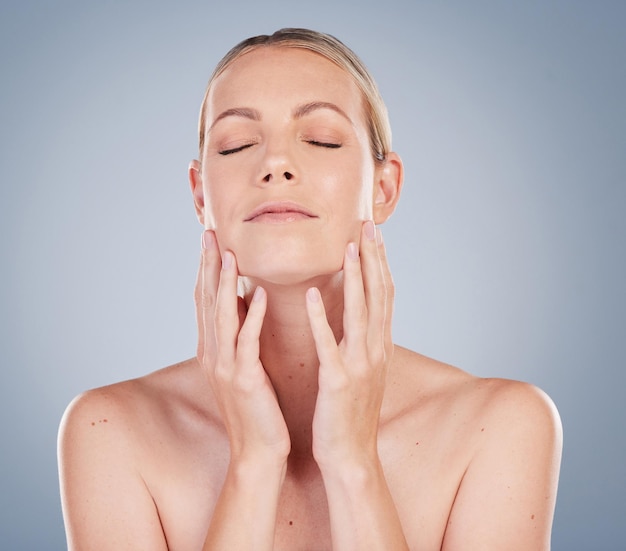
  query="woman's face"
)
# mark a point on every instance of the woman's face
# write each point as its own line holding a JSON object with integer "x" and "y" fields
{"x": 286, "y": 172}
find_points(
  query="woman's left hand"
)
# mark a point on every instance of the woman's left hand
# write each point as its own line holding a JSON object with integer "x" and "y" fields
{"x": 352, "y": 373}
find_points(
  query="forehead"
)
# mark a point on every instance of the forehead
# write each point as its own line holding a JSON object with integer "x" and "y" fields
{"x": 282, "y": 77}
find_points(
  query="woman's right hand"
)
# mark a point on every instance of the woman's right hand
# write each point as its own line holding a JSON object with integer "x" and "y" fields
{"x": 244, "y": 516}
{"x": 228, "y": 350}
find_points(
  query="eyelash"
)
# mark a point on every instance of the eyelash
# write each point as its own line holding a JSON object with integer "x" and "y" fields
{"x": 235, "y": 149}
{"x": 325, "y": 144}
{"x": 316, "y": 143}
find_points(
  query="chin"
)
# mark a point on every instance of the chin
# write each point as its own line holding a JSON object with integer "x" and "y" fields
{"x": 285, "y": 268}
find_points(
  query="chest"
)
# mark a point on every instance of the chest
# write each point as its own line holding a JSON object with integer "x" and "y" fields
{"x": 423, "y": 459}
{"x": 423, "y": 486}
{"x": 186, "y": 497}
{"x": 302, "y": 520}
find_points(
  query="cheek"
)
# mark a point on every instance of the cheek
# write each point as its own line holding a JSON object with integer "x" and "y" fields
{"x": 352, "y": 193}
{"x": 216, "y": 198}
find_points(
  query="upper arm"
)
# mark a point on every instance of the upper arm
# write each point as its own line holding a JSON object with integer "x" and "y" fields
{"x": 106, "y": 504}
{"x": 507, "y": 496}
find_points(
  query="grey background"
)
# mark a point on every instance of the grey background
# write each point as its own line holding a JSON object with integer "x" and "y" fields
{"x": 507, "y": 248}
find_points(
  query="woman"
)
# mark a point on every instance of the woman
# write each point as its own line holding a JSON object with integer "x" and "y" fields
{"x": 300, "y": 425}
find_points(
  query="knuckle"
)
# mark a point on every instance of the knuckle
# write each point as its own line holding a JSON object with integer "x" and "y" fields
{"x": 377, "y": 357}
{"x": 334, "y": 380}
{"x": 222, "y": 373}
{"x": 245, "y": 382}
{"x": 222, "y": 321}
{"x": 204, "y": 299}
{"x": 360, "y": 313}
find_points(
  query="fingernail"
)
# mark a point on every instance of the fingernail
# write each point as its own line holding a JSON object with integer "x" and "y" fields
{"x": 259, "y": 292}
{"x": 227, "y": 260}
{"x": 207, "y": 239}
{"x": 353, "y": 252}
{"x": 370, "y": 230}
{"x": 313, "y": 294}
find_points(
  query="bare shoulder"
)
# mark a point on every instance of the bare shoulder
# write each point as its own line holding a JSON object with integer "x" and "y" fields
{"x": 509, "y": 403}
{"x": 100, "y": 406}
{"x": 130, "y": 419}
{"x": 499, "y": 442}
{"x": 127, "y": 407}
{"x": 483, "y": 413}
{"x": 108, "y": 440}
{"x": 98, "y": 421}
{"x": 420, "y": 380}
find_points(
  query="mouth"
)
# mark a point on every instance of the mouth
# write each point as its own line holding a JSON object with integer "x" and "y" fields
{"x": 278, "y": 212}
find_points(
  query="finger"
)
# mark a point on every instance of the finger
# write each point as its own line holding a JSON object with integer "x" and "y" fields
{"x": 354, "y": 305}
{"x": 226, "y": 310}
{"x": 373, "y": 282}
{"x": 325, "y": 343}
{"x": 389, "y": 289}
{"x": 208, "y": 272}
{"x": 205, "y": 293}
{"x": 248, "y": 338}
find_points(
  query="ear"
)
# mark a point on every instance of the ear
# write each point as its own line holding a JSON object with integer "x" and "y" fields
{"x": 389, "y": 176}
{"x": 195, "y": 180}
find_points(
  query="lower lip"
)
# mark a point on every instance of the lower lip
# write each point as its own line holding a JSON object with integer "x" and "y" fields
{"x": 280, "y": 217}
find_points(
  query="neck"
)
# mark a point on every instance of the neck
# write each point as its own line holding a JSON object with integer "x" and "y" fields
{"x": 288, "y": 353}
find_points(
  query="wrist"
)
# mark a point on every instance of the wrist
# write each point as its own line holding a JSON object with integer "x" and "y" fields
{"x": 257, "y": 469}
{"x": 356, "y": 471}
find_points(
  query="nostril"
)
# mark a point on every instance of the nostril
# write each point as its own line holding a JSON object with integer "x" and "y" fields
{"x": 267, "y": 178}
{"x": 288, "y": 176}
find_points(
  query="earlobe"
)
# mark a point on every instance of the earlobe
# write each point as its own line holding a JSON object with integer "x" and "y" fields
{"x": 197, "y": 191}
{"x": 387, "y": 187}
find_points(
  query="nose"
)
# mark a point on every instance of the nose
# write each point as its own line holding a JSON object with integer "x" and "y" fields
{"x": 278, "y": 163}
{"x": 269, "y": 176}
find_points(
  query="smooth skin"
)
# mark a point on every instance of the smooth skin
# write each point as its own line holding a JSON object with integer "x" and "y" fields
{"x": 299, "y": 425}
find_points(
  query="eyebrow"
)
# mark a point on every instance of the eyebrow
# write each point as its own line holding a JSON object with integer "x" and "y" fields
{"x": 307, "y": 108}
{"x": 298, "y": 112}
{"x": 245, "y": 112}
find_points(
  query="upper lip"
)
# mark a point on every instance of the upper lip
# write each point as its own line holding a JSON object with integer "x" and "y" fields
{"x": 278, "y": 206}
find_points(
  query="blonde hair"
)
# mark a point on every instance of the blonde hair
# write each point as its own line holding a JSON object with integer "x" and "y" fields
{"x": 333, "y": 50}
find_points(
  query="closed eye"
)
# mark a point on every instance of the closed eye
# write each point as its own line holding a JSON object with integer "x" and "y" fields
{"x": 235, "y": 149}
{"x": 324, "y": 144}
